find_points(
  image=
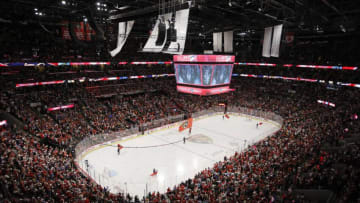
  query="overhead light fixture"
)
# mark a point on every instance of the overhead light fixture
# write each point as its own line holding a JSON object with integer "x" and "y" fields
{"x": 35, "y": 9}
{"x": 318, "y": 29}
{"x": 63, "y": 2}
{"x": 85, "y": 20}
{"x": 98, "y": 3}
{"x": 342, "y": 27}
{"x": 230, "y": 3}
{"x": 123, "y": 7}
{"x": 98, "y": 8}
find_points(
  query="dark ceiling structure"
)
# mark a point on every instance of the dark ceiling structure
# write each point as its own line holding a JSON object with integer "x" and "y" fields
{"x": 307, "y": 19}
{"x": 304, "y": 16}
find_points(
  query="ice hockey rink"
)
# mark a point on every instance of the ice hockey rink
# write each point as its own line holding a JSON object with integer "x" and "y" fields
{"x": 211, "y": 139}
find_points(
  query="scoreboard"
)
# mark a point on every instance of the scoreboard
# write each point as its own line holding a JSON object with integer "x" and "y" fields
{"x": 203, "y": 74}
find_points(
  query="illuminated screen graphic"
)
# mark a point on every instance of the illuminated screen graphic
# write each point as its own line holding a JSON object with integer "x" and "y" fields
{"x": 206, "y": 74}
{"x": 203, "y": 74}
{"x": 188, "y": 74}
{"x": 221, "y": 74}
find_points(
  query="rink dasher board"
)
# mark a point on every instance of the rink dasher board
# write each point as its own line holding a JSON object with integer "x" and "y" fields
{"x": 169, "y": 126}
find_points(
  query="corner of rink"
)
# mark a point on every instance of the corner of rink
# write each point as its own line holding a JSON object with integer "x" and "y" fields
{"x": 163, "y": 149}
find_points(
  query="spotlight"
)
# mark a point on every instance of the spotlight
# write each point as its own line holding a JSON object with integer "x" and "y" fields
{"x": 98, "y": 3}
{"x": 35, "y": 9}
{"x": 342, "y": 28}
{"x": 63, "y": 2}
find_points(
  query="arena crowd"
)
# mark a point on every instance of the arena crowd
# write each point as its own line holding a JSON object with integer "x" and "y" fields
{"x": 311, "y": 151}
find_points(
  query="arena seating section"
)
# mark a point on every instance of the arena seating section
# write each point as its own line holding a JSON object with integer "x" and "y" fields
{"x": 318, "y": 147}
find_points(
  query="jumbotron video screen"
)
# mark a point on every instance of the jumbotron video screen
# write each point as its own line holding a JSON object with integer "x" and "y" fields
{"x": 203, "y": 74}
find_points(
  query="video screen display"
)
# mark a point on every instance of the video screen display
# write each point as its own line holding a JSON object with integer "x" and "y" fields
{"x": 221, "y": 74}
{"x": 203, "y": 75}
{"x": 207, "y": 74}
{"x": 188, "y": 74}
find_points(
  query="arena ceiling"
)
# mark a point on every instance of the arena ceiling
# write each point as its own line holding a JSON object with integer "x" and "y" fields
{"x": 306, "y": 18}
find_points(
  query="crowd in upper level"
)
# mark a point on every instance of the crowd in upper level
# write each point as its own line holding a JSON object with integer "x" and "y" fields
{"x": 37, "y": 158}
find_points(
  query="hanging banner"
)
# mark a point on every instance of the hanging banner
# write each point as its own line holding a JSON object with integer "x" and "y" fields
{"x": 158, "y": 36}
{"x": 266, "y": 52}
{"x": 82, "y": 30}
{"x": 169, "y": 33}
{"x": 123, "y": 33}
{"x": 275, "y": 46}
{"x": 217, "y": 41}
{"x": 228, "y": 42}
{"x": 289, "y": 38}
{"x": 177, "y": 33}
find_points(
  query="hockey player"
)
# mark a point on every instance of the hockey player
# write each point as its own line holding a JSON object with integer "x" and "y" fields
{"x": 184, "y": 139}
{"x": 257, "y": 125}
{"x": 118, "y": 149}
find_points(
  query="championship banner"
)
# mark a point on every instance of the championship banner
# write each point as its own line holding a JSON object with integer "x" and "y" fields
{"x": 187, "y": 124}
{"x": 228, "y": 42}
{"x": 266, "y": 51}
{"x": 82, "y": 30}
{"x": 276, "y": 41}
{"x": 217, "y": 42}
{"x": 289, "y": 38}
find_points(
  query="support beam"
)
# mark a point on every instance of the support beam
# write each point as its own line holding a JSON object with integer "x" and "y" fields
{"x": 335, "y": 9}
{"x": 180, "y": 4}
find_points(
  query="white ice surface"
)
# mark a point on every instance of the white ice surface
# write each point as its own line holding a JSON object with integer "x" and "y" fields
{"x": 130, "y": 171}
